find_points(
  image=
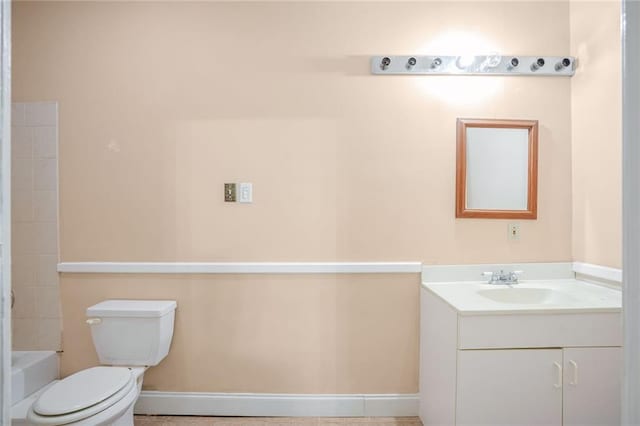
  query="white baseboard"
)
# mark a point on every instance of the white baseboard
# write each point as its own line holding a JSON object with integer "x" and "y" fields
{"x": 277, "y": 405}
{"x": 597, "y": 271}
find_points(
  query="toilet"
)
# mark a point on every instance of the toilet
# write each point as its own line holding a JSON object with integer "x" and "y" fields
{"x": 129, "y": 337}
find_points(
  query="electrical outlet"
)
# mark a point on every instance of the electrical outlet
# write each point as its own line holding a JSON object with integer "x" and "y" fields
{"x": 245, "y": 192}
{"x": 514, "y": 231}
{"x": 230, "y": 192}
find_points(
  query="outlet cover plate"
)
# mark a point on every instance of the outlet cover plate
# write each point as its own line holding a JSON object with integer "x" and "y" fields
{"x": 245, "y": 192}
{"x": 514, "y": 231}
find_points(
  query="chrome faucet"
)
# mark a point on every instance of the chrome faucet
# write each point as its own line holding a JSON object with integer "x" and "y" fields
{"x": 502, "y": 277}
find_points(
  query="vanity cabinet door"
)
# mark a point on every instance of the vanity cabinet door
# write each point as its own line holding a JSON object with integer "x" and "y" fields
{"x": 592, "y": 384}
{"x": 509, "y": 387}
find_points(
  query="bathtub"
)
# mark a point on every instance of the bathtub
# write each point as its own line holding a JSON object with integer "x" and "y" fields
{"x": 31, "y": 371}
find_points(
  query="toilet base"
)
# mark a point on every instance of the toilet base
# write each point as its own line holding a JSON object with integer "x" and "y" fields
{"x": 126, "y": 419}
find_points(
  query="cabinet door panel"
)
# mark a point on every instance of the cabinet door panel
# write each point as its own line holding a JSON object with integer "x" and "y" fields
{"x": 509, "y": 387}
{"x": 593, "y": 380}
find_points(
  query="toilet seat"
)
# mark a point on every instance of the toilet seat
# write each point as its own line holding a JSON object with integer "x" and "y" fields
{"x": 83, "y": 394}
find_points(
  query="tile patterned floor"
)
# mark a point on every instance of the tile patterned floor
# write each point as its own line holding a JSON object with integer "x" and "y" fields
{"x": 275, "y": 421}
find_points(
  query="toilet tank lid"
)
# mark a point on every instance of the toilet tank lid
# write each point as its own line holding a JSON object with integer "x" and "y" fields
{"x": 132, "y": 308}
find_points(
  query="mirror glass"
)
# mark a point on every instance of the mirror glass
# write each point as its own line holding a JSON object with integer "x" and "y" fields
{"x": 497, "y": 163}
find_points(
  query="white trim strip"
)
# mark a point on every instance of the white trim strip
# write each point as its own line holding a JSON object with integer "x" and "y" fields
{"x": 5, "y": 211}
{"x": 277, "y": 405}
{"x": 240, "y": 267}
{"x": 631, "y": 210}
{"x": 597, "y": 271}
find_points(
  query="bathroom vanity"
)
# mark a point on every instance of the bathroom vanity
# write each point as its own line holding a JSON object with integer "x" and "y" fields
{"x": 543, "y": 352}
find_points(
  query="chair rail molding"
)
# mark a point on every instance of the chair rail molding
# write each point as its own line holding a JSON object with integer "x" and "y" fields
{"x": 241, "y": 267}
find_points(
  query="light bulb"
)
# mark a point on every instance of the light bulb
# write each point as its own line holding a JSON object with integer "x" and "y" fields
{"x": 465, "y": 61}
{"x": 493, "y": 60}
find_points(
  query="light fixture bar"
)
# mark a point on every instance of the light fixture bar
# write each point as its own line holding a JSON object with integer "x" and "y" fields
{"x": 563, "y": 66}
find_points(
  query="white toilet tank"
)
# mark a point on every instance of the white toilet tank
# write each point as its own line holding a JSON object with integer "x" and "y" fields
{"x": 132, "y": 332}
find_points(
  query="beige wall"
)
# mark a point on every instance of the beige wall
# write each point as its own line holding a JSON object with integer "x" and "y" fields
{"x": 161, "y": 103}
{"x": 597, "y": 133}
{"x": 267, "y": 333}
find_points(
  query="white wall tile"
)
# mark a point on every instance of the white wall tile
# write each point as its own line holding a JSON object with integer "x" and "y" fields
{"x": 21, "y": 142}
{"x": 23, "y": 238}
{"x": 41, "y": 113}
{"x": 45, "y": 206}
{"x": 25, "y": 334}
{"x": 45, "y": 143}
{"x": 18, "y": 114}
{"x": 46, "y": 272}
{"x": 47, "y": 302}
{"x": 25, "y": 302}
{"x": 36, "y": 334}
{"x": 46, "y": 238}
{"x": 22, "y": 271}
{"x": 48, "y": 334}
{"x": 45, "y": 174}
{"x": 22, "y": 206}
{"x": 21, "y": 175}
{"x": 36, "y": 317}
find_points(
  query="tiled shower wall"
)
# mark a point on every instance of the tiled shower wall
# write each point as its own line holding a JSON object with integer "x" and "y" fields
{"x": 34, "y": 191}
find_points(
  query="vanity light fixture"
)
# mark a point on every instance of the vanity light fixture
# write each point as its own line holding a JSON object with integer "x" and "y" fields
{"x": 491, "y": 64}
{"x": 513, "y": 63}
{"x": 564, "y": 63}
{"x": 492, "y": 61}
{"x": 465, "y": 61}
{"x": 539, "y": 63}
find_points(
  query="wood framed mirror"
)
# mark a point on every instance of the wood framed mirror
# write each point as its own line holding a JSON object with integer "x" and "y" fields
{"x": 497, "y": 169}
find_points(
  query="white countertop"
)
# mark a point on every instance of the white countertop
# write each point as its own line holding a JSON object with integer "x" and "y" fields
{"x": 528, "y": 296}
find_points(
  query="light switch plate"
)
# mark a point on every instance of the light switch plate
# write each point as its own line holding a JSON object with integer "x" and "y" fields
{"x": 245, "y": 192}
{"x": 230, "y": 192}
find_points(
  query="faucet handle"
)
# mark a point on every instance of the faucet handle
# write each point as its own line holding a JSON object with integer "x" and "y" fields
{"x": 491, "y": 276}
{"x": 514, "y": 275}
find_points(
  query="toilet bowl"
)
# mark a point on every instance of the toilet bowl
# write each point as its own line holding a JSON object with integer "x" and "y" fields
{"x": 137, "y": 333}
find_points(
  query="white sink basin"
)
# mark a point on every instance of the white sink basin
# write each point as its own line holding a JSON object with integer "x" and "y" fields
{"x": 527, "y": 295}
{"x": 558, "y": 295}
